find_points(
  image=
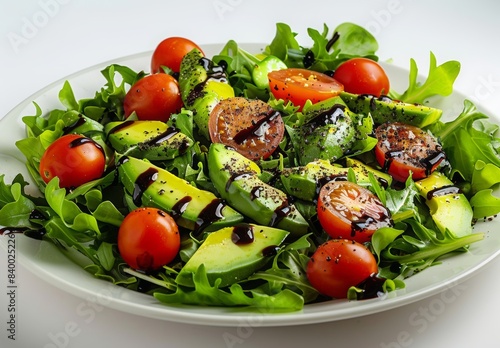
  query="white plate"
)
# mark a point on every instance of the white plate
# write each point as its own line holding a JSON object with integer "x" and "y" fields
{"x": 47, "y": 262}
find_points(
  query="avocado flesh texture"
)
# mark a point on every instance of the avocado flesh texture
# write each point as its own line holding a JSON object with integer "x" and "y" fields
{"x": 202, "y": 87}
{"x": 236, "y": 178}
{"x": 450, "y": 210}
{"x": 192, "y": 208}
{"x": 153, "y": 140}
{"x": 228, "y": 261}
{"x": 327, "y": 131}
{"x": 384, "y": 110}
{"x": 304, "y": 182}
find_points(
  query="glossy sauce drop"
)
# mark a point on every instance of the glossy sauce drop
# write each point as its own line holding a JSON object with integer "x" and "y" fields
{"x": 211, "y": 213}
{"x": 142, "y": 183}
{"x": 180, "y": 207}
{"x": 242, "y": 234}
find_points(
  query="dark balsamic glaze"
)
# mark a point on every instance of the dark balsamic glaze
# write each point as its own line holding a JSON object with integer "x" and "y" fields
{"x": 443, "y": 190}
{"x": 160, "y": 138}
{"x": 180, "y": 207}
{"x": 432, "y": 160}
{"x": 214, "y": 73}
{"x": 143, "y": 181}
{"x": 35, "y": 234}
{"x": 121, "y": 126}
{"x": 280, "y": 213}
{"x": 83, "y": 140}
{"x": 242, "y": 234}
{"x": 237, "y": 176}
{"x": 270, "y": 250}
{"x": 308, "y": 59}
{"x": 10, "y": 230}
{"x": 329, "y": 116}
{"x": 211, "y": 213}
{"x": 79, "y": 122}
{"x": 332, "y": 41}
{"x": 371, "y": 287}
{"x": 255, "y": 192}
{"x": 257, "y": 129}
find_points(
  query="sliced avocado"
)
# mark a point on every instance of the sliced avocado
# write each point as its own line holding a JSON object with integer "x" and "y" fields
{"x": 153, "y": 140}
{"x": 304, "y": 182}
{"x": 233, "y": 253}
{"x": 362, "y": 172}
{"x": 383, "y": 109}
{"x": 152, "y": 186}
{"x": 202, "y": 85}
{"x": 236, "y": 178}
{"x": 449, "y": 208}
{"x": 327, "y": 132}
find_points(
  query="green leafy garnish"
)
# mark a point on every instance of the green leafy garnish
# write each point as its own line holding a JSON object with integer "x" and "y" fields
{"x": 439, "y": 81}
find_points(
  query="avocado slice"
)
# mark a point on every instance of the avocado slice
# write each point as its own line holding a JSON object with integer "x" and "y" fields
{"x": 362, "y": 172}
{"x": 236, "y": 178}
{"x": 304, "y": 182}
{"x": 449, "y": 208}
{"x": 153, "y": 140}
{"x": 233, "y": 253}
{"x": 383, "y": 109}
{"x": 202, "y": 85}
{"x": 327, "y": 132}
{"x": 192, "y": 208}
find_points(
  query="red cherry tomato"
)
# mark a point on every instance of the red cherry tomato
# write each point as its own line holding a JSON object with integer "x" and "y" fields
{"x": 402, "y": 148}
{"x": 148, "y": 239}
{"x": 250, "y": 126}
{"x": 362, "y": 76}
{"x": 347, "y": 210}
{"x": 299, "y": 85}
{"x": 339, "y": 264}
{"x": 74, "y": 159}
{"x": 154, "y": 97}
{"x": 170, "y": 52}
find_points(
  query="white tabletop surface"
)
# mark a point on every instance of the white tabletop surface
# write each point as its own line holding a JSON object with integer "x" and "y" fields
{"x": 45, "y": 40}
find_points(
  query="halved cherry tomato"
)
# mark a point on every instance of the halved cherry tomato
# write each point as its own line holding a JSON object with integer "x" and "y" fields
{"x": 402, "y": 148}
{"x": 339, "y": 264}
{"x": 74, "y": 159}
{"x": 250, "y": 126}
{"x": 299, "y": 85}
{"x": 170, "y": 52}
{"x": 347, "y": 210}
{"x": 362, "y": 76}
{"x": 154, "y": 97}
{"x": 148, "y": 239}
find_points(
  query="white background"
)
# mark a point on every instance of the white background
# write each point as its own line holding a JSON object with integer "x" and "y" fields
{"x": 43, "y": 41}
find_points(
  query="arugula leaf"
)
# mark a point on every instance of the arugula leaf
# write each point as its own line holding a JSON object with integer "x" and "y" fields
{"x": 439, "y": 81}
{"x": 422, "y": 250}
{"x": 206, "y": 294}
{"x": 468, "y": 139}
{"x": 348, "y": 40}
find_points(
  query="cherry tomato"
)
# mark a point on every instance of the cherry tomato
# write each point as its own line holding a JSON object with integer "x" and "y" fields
{"x": 250, "y": 126}
{"x": 402, "y": 148}
{"x": 362, "y": 76}
{"x": 74, "y": 159}
{"x": 170, "y": 52}
{"x": 347, "y": 210}
{"x": 299, "y": 85}
{"x": 148, "y": 239}
{"x": 154, "y": 97}
{"x": 339, "y": 264}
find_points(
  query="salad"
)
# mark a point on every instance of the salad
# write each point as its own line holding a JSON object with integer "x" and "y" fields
{"x": 269, "y": 180}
